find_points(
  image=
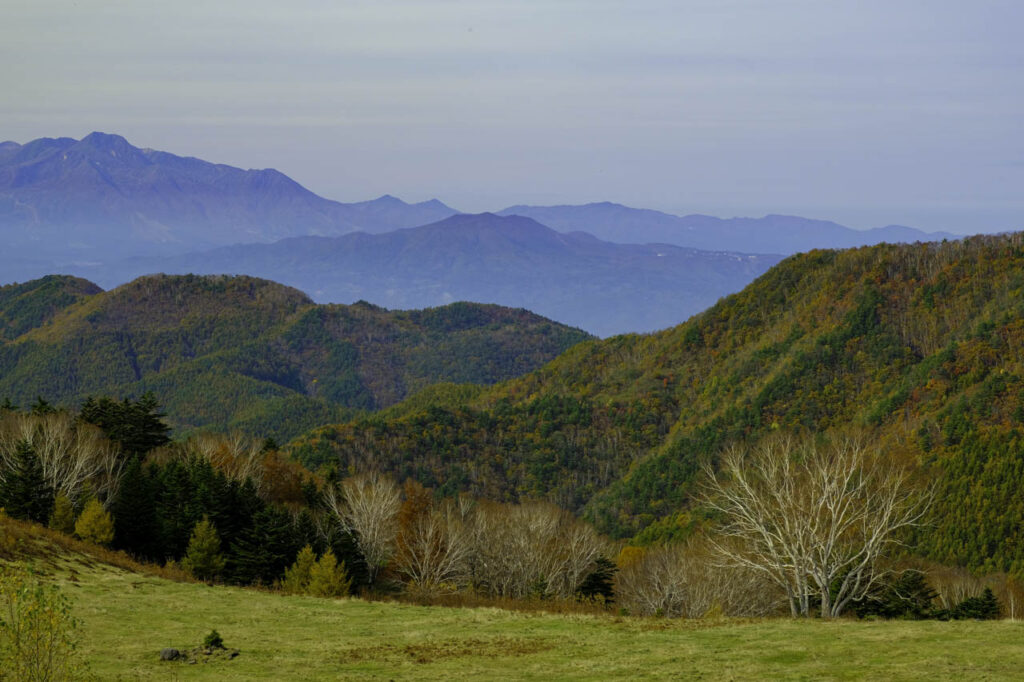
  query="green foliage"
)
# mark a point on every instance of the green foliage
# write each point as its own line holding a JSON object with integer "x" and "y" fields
{"x": 213, "y": 640}
{"x": 95, "y": 524}
{"x": 985, "y": 607}
{"x": 203, "y": 558}
{"x": 38, "y": 634}
{"x": 136, "y": 425}
{"x": 228, "y": 352}
{"x": 907, "y": 596}
{"x": 296, "y": 577}
{"x": 262, "y": 550}
{"x": 63, "y": 517}
{"x": 323, "y": 577}
{"x": 327, "y": 577}
{"x": 26, "y": 306}
{"x": 24, "y": 493}
{"x": 917, "y": 342}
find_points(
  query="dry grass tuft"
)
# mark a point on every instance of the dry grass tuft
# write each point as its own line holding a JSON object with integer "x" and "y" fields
{"x": 447, "y": 649}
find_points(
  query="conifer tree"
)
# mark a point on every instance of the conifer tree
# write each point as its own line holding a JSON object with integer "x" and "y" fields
{"x": 327, "y": 578}
{"x": 95, "y": 524}
{"x": 203, "y": 558}
{"x": 63, "y": 517}
{"x": 24, "y": 493}
{"x": 262, "y": 551}
{"x": 136, "y": 526}
{"x": 296, "y": 578}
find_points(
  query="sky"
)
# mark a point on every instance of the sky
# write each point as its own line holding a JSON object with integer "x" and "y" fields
{"x": 866, "y": 112}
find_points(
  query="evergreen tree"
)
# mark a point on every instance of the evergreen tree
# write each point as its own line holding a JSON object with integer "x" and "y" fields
{"x": 63, "y": 517}
{"x": 173, "y": 494}
{"x": 137, "y": 426}
{"x": 95, "y": 524}
{"x": 985, "y": 607}
{"x": 263, "y": 551}
{"x": 907, "y": 596}
{"x": 203, "y": 558}
{"x": 296, "y": 578}
{"x": 327, "y": 578}
{"x": 24, "y": 493}
{"x": 136, "y": 526}
{"x": 41, "y": 407}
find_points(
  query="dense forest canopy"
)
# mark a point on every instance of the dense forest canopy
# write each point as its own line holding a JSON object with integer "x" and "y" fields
{"x": 919, "y": 345}
{"x": 239, "y": 352}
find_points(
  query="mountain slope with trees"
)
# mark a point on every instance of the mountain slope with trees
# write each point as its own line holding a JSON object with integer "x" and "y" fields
{"x": 917, "y": 346}
{"x": 226, "y": 352}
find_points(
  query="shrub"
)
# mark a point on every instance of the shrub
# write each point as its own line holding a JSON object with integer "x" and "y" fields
{"x": 213, "y": 640}
{"x": 95, "y": 524}
{"x": 908, "y": 596}
{"x": 37, "y": 631}
{"x": 985, "y": 607}
{"x": 63, "y": 517}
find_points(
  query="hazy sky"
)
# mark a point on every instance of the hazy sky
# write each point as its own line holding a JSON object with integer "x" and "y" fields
{"x": 868, "y": 112}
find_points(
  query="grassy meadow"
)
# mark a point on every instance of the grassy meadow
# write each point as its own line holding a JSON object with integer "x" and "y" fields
{"x": 127, "y": 617}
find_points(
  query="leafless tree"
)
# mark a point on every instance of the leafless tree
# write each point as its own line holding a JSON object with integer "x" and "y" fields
{"x": 237, "y": 456}
{"x": 434, "y": 548}
{"x": 815, "y": 519}
{"x": 367, "y": 506}
{"x": 75, "y": 457}
{"x": 533, "y": 548}
{"x": 684, "y": 580}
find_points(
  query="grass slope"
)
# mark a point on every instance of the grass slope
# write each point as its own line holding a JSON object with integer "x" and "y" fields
{"x": 129, "y": 614}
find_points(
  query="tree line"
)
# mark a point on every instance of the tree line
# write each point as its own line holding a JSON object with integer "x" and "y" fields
{"x": 805, "y": 525}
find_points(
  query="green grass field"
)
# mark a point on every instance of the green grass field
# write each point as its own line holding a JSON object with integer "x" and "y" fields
{"x": 128, "y": 617}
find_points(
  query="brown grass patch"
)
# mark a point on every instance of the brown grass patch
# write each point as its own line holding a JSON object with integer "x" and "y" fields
{"x": 51, "y": 550}
{"x": 446, "y": 649}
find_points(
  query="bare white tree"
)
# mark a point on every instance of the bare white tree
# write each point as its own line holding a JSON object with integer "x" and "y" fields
{"x": 534, "y": 548}
{"x": 74, "y": 456}
{"x": 816, "y": 519}
{"x": 684, "y": 580}
{"x": 434, "y": 548}
{"x": 237, "y": 456}
{"x": 367, "y": 506}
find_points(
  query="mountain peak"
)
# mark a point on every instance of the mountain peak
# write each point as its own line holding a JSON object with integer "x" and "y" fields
{"x": 105, "y": 141}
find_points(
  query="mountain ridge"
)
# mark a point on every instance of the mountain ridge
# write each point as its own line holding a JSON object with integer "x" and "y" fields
{"x": 240, "y": 352}
{"x": 515, "y": 261}
{"x": 134, "y": 200}
{"x": 773, "y": 233}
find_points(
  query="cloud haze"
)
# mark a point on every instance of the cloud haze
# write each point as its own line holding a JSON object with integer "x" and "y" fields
{"x": 865, "y": 112}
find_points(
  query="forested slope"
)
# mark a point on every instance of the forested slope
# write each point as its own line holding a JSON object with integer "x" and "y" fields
{"x": 226, "y": 352}
{"x": 918, "y": 345}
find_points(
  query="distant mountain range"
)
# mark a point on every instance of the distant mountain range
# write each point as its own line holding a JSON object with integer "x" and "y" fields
{"x": 770, "y": 234}
{"x": 101, "y": 208}
{"x": 239, "y": 352}
{"x": 101, "y": 196}
{"x": 575, "y": 278}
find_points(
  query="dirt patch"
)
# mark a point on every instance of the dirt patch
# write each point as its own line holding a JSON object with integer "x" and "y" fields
{"x": 439, "y": 650}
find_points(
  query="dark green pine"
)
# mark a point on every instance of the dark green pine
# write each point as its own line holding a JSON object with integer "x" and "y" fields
{"x": 24, "y": 493}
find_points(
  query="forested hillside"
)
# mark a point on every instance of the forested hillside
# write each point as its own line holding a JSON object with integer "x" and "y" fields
{"x": 919, "y": 346}
{"x": 239, "y": 352}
